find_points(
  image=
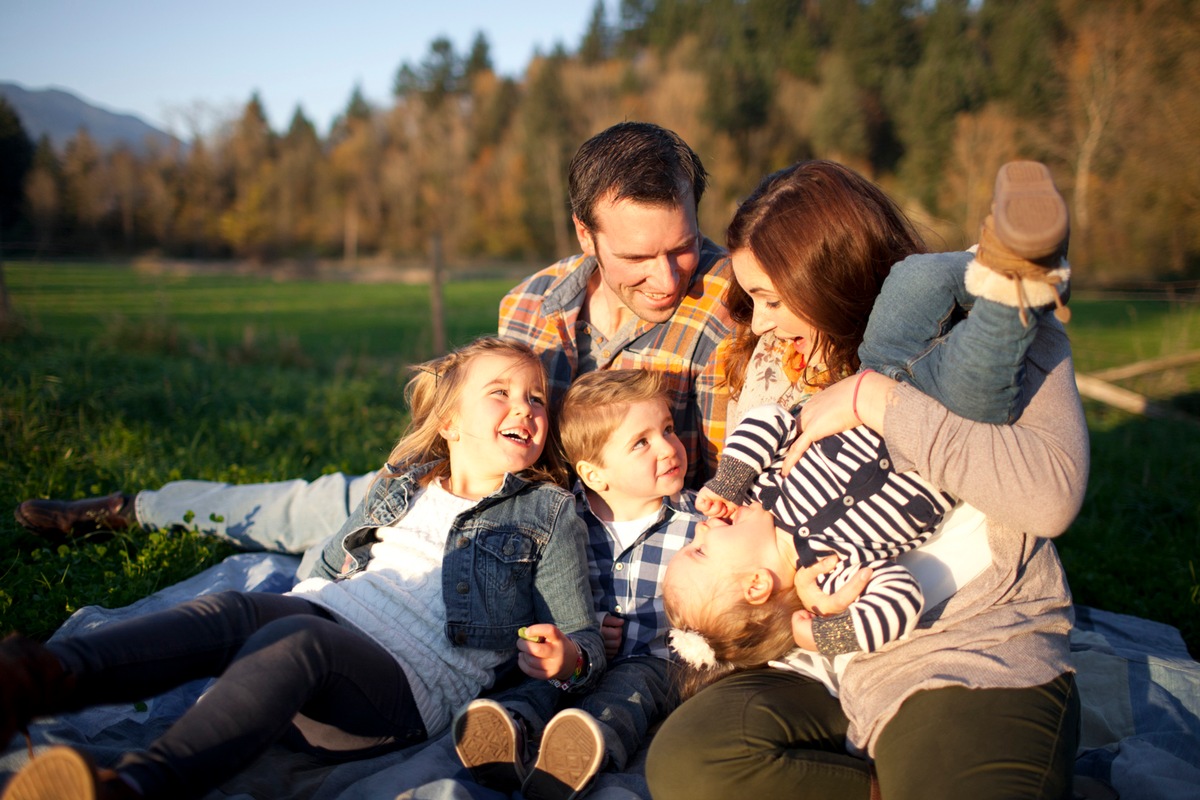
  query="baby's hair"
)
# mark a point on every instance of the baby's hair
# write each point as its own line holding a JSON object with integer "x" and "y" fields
{"x": 742, "y": 636}
{"x": 595, "y": 405}
{"x": 433, "y": 394}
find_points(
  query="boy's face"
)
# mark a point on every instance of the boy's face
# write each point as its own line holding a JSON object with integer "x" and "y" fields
{"x": 643, "y": 460}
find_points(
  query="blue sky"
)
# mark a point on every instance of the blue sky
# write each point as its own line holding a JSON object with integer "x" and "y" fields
{"x": 175, "y": 64}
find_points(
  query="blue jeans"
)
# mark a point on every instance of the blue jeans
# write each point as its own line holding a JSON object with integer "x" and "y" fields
{"x": 286, "y": 671}
{"x": 281, "y": 517}
{"x": 967, "y": 353}
{"x": 633, "y": 695}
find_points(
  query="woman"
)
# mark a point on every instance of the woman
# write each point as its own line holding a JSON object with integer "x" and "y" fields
{"x": 979, "y": 701}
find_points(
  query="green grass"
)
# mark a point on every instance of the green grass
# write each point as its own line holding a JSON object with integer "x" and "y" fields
{"x": 121, "y": 380}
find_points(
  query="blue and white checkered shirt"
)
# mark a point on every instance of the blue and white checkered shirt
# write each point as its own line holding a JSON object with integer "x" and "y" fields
{"x": 629, "y": 584}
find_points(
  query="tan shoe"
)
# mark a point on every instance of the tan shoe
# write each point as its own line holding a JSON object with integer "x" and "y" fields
{"x": 491, "y": 744}
{"x": 1021, "y": 260}
{"x": 63, "y": 773}
{"x": 570, "y": 756}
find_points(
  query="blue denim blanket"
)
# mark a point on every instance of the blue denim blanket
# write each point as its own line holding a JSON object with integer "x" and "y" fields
{"x": 1140, "y": 691}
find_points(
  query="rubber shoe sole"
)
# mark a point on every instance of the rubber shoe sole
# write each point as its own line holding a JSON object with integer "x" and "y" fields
{"x": 57, "y": 774}
{"x": 570, "y": 756}
{"x": 490, "y": 745}
{"x": 1029, "y": 214}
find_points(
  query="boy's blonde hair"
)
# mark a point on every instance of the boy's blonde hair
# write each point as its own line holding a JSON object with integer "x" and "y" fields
{"x": 742, "y": 636}
{"x": 433, "y": 395}
{"x": 595, "y": 405}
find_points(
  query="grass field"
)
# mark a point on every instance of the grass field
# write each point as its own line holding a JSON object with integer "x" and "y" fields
{"x": 121, "y": 380}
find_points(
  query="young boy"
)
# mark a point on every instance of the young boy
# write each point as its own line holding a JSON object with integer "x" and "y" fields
{"x": 616, "y": 431}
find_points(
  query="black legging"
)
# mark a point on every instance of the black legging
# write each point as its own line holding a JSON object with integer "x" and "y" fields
{"x": 770, "y": 733}
{"x": 276, "y": 657}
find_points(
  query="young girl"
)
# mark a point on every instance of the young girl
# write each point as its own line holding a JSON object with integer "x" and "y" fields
{"x": 462, "y": 539}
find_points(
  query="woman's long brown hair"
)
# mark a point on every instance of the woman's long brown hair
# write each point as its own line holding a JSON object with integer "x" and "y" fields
{"x": 826, "y": 237}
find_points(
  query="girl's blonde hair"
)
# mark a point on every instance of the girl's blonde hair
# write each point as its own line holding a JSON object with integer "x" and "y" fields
{"x": 740, "y": 635}
{"x": 433, "y": 395}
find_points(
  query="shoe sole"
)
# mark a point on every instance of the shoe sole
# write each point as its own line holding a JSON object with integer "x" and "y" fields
{"x": 570, "y": 756}
{"x": 1029, "y": 214}
{"x": 485, "y": 738}
{"x": 58, "y": 774}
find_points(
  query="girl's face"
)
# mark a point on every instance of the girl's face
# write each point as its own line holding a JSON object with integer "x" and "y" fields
{"x": 770, "y": 314}
{"x": 501, "y": 424}
{"x": 722, "y": 550}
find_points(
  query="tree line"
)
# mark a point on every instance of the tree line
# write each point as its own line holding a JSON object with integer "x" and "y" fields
{"x": 926, "y": 97}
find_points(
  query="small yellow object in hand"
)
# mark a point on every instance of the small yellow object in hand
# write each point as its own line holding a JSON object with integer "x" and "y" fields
{"x": 524, "y": 634}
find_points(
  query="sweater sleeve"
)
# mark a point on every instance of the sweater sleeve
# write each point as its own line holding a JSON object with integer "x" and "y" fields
{"x": 887, "y": 609}
{"x": 1031, "y": 475}
{"x": 757, "y": 442}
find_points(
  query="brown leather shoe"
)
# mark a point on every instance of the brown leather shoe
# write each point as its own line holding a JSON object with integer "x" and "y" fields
{"x": 62, "y": 519}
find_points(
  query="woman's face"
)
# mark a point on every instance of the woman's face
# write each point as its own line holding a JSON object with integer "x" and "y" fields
{"x": 770, "y": 314}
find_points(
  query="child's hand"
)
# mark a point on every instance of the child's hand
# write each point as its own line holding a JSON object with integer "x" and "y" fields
{"x": 711, "y": 504}
{"x": 814, "y": 599}
{"x": 802, "y": 633}
{"x": 611, "y": 631}
{"x": 553, "y": 657}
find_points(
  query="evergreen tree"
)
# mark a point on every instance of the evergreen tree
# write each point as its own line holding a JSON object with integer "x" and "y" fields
{"x": 16, "y": 158}
{"x": 43, "y": 191}
{"x": 479, "y": 60}
{"x": 596, "y": 40}
{"x": 1020, "y": 39}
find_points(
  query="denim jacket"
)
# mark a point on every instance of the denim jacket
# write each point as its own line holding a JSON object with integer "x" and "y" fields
{"x": 517, "y": 558}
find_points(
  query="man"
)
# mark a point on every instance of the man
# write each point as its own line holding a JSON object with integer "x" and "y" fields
{"x": 646, "y": 293}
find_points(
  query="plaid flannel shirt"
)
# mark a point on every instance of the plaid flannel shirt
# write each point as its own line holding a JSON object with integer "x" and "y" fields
{"x": 629, "y": 584}
{"x": 544, "y": 309}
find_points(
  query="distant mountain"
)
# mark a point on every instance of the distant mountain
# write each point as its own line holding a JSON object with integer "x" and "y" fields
{"x": 60, "y": 114}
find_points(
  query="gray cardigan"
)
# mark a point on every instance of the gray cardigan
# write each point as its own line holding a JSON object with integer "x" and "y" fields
{"x": 1006, "y": 628}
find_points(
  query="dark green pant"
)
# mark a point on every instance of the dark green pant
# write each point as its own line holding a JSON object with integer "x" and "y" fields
{"x": 772, "y": 734}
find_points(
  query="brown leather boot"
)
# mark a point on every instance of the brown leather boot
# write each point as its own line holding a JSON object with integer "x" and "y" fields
{"x": 33, "y": 683}
{"x": 1021, "y": 260}
{"x": 62, "y": 519}
{"x": 63, "y": 773}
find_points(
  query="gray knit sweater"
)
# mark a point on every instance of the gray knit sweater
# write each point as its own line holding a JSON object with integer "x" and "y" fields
{"x": 1008, "y": 627}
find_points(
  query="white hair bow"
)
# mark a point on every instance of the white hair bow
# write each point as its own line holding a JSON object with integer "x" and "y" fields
{"x": 693, "y": 648}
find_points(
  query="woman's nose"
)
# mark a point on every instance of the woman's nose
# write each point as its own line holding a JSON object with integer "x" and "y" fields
{"x": 760, "y": 321}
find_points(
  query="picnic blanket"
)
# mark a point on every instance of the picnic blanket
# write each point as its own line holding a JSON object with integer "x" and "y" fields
{"x": 1140, "y": 691}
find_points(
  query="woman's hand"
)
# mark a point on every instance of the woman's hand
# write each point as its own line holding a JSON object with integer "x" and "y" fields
{"x": 815, "y": 600}
{"x": 828, "y": 412}
{"x": 554, "y": 656}
{"x": 858, "y": 400}
{"x": 711, "y": 504}
{"x": 612, "y": 628}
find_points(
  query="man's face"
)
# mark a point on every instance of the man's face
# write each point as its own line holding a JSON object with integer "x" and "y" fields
{"x": 646, "y": 253}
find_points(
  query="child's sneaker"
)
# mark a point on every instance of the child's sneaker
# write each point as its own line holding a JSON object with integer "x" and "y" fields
{"x": 1024, "y": 241}
{"x": 63, "y": 773}
{"x": 570, "y": 756}
{"x": 491, "y": 745}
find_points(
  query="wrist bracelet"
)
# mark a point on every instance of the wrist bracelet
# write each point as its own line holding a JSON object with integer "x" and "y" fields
{"x": 576, "y": 676}
{"x": 854, "y": 400}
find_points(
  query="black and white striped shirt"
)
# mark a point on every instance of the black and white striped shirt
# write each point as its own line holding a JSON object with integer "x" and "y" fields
{"x": 841, "y": 498}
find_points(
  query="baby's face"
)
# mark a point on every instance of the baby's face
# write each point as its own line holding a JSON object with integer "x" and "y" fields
{"x": 720, "y": 551}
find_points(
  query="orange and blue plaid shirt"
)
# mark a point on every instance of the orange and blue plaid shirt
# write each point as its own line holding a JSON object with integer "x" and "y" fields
{"x": 544, "y": 312}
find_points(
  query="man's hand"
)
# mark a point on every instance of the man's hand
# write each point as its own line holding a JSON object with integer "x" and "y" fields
{"x": 612, "y": 629}
{"x": 711, "y": 504}
{"x": 815, "y": 600}
{"x": 553, "y": 657}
